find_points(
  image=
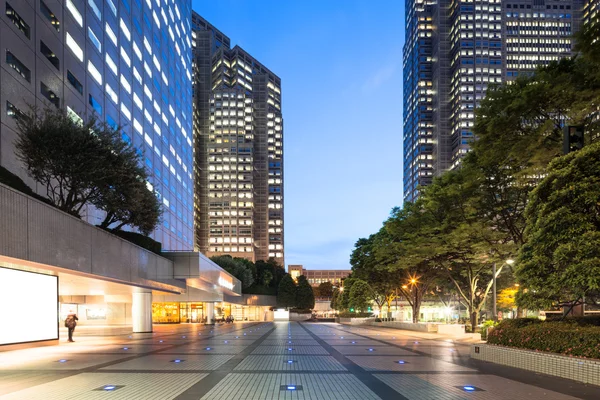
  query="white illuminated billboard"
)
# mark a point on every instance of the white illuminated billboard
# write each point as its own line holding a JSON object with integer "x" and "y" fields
{"x": 29, "y": 306}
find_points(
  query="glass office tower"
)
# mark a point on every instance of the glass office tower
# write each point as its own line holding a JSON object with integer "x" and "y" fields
{"x": 238, "y": 134}
{"x": 454, "y": 50}
{"x": 127, "y": 61}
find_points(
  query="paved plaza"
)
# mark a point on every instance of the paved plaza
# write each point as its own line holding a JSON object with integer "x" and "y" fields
{"x": 268, "y": 361}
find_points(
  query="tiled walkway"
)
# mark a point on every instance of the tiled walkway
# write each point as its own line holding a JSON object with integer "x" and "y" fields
{"x": 269, "y": 361}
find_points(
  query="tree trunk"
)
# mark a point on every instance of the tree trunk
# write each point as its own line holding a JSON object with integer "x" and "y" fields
{"x": 474, "y": 320}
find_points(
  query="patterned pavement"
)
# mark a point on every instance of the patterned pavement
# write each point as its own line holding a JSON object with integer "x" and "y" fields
{"x": 269, "y": 361}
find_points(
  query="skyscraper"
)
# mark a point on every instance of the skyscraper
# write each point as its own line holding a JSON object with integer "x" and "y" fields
{"x": 454, "y": 50}
{"x": 238, "y": 133}
{"x": 591, "y": 11}
{"x": 128, "y": 62}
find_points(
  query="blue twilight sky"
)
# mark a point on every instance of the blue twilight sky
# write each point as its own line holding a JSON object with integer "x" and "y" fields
{"x": 340, "y": 63}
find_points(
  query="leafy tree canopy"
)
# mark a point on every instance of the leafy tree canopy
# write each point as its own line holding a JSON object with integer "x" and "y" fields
{"x": 305, "y": 297}
{"x": 87, "y": 163}
{"x": 561, "y": 260}
{"x": 286, "y": 293}
{"x": 360, "y": 295}
{"x": 236, "y": 267}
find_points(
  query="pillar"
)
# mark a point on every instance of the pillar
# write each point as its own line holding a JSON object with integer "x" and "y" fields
{"x": 210, "y": 313}
{"x": 141, "y": 312}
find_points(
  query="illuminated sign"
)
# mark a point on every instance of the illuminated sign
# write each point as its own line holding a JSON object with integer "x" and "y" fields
{"x": 225, "y": 283}
{"x": 30, "y": 291}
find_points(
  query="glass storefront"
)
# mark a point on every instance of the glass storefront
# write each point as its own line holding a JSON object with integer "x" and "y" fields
{"x": 165, "y": 313}
{"x": 195, "y": 312}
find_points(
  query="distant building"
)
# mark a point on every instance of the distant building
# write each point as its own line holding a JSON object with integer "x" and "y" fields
{"x": 317, "y": 276}
{"x": 454, "y": 51}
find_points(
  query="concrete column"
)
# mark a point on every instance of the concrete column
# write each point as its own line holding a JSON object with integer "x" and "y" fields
{"x": 210, "y": 312}
{"x": 141, "y": 312}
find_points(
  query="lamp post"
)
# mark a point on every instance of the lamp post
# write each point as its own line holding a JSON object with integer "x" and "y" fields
{"x": 494, "y": 310}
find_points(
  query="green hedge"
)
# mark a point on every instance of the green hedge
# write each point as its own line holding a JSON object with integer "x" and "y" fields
{"x": 348, "y": 314}
{"x": 139, "y": 239}
{"x": 566, "y": 338}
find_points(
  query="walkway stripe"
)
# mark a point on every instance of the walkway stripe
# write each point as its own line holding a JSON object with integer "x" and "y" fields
{"x": 375, "y": 385}
{"x": 203, "y": 386}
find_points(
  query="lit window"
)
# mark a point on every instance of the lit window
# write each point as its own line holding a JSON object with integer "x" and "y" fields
{"x": 49, "y": 54}
{"x": 50, "y": 16}
{"x": 49, "y": 94}
{"x": 126, "y": 111}
{"x": 95, "y": 9}
{"x": 111, "y": 93}
{"x": 111, "y": 34}
{"x": 137, "y": 75}
{"x": 137, "y": 50}
{"x": 111, "y": 64}
{"x": 138, "y": 102}
{"x": 18, "y": 21}
{"x": 75, "y": 12}
{"x": 125, "y": 29}
{"x": 94, "y": 72}
{"x": 126, "y": 85}
{"x": 137, "y": 126}
{"x": 72, "y": 44}
{"x": 112, "y": 6}
{"x": 125, "y": 57}
{"x": 18, "y": 66}
{"x": 94, "y": 39}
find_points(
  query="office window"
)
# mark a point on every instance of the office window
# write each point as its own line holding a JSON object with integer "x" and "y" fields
{"x": 72, "y": 44}
{"x": 97, "y": 107}
{"x": 18, "y": 66}
{"x": 94, "y": 39}
{"x": 49, "y": 94}
{"x": 95, "y": 9}
{"x": 112, "y": 6}
{"x": 94, "y": 72}
{"x": 14, "y": 112}
{"x": 75, "y": 12}
{"x": 18, "y": 21}
{"x": 49, "y": 54}
{"x": 50, "y": 16}
{"x": 76, "y": 84}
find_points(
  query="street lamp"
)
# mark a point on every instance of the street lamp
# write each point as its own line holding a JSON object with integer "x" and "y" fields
{"x": 494, "y": 310}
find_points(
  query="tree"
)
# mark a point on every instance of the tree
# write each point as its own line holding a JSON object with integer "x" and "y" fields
{"x": 333, "y": 304}
{"x": 269, "y": 272}
{"x": 360, "y": 295}
{"x": 286, "y": 293}
{"x": 305, "y": 298}
{"x": 344, "y": 297}
{"x": 325, "y": 289}
{"x": 560, "y": 263}
{"x": 236, "y": 268}
{"x": 87, "y": 163}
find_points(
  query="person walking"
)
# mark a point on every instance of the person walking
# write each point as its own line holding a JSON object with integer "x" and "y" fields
{"x": 71, "y": 323}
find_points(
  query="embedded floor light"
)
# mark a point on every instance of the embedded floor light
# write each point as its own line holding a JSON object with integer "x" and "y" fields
{"x": 183, "y": 337}
{"x": 177, "y": 361}
{"x": 62, "y": 361}
{"x": 353, "y": 342}
{"x": 208, "y": 348}
{"x": 370, "y": 349}
{"x": 125, "y": 348}
{"x": 160, "y": 341}
{"x": 109, "y": 387}
{"x": 225, "y": 341}
{"x": 470, "y": 388}
{"x": 290, "y": 349}
{"x": 401, "y": 362}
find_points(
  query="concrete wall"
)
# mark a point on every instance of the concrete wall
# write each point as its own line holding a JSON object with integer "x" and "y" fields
{"x": 36, "y": 232}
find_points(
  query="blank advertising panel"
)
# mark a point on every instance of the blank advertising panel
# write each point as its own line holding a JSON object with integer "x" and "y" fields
{"x": 30, "y": 306}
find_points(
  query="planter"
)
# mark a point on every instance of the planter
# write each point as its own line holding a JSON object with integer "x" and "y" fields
{"x": 300, "y": 317}
{"x": 577, "y": 369}
{"x": 409, "y": 326}
{"x": 356, "y": 321}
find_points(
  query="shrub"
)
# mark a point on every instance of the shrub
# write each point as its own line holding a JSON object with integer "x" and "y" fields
{"x": 348, "y": 314}
{"x": 555, "y": 337}
{"x": 138, "y": 239}
{"x": 588, "y": 320}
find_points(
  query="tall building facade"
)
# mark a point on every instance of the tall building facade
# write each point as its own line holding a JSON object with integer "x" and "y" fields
{"x": 591, "y": 11}
{"x": 128, "y": 62}
{"x": 467, "y": 46}
{"x": 317, "y": 276}
{"x": 238, "y": 136}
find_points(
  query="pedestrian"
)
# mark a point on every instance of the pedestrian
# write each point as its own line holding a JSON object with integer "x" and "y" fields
{"x": 71, "y": 323}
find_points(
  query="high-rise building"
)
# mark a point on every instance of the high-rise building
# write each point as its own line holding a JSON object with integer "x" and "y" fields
{"x": 453, "y": 51}
{"x": 238, "y": 135}
{"x": 591, "y": 11}
{"x": 317, "y": 276}
{"x": 128, "y": 62}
